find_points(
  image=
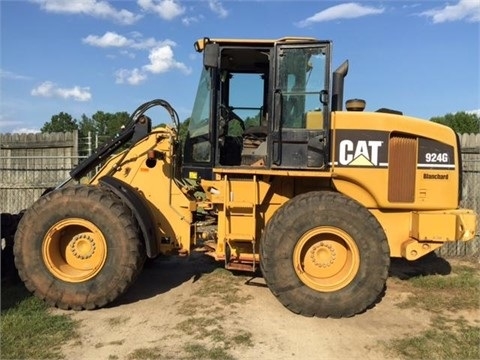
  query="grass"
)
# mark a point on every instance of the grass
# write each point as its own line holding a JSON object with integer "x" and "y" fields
{"x": 199, "y": 351}
{"x": 459, "y": 290}
{"x": 28, "y": 330}
{"x": 450, "y": 335}
{"x": 456, "y": 340}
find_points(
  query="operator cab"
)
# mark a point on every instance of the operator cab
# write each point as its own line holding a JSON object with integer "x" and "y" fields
{"x": 260, "y": 104}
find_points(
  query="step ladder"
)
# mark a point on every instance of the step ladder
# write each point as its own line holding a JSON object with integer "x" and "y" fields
{"x": 240, "y": 212}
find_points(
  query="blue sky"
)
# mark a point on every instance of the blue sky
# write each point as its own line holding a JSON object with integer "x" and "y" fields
{"x": 84, "y": 56}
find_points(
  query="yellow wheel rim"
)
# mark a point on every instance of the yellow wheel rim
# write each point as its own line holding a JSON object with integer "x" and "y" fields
{"x": 74, "y": 250}
{"x": 326, "y": 259}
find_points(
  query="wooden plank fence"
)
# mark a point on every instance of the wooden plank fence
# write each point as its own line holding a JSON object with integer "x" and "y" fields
{"x": 30, "y": 163}
{"x": 470, "y": 146}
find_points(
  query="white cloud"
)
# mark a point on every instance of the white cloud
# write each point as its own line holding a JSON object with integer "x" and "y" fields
{"x": 342, "y": 11}
{"x": 126, "y": 53}
{"x": 10, "y": 75}
{"x": 162, "y": 60}
{"x": 112, "y": 39}
{"x": 96, "y": 8}
{"x": 151, "y": 43}
{"x": 161, "y": 57}
{"x": 15, "y": 127}
{"x": 46, "y": 89}
{"x": 217, "y": 7}
{"x": 77, "y": 93}
{"x": 50, "y": 89}
{"x": 109, "y": 39}
{"x": 475, "y": 112}
{"x": 8, "y": 123}
{"x": 468, "y": 10}
{"x": 166, "y": 9}
{"x": 131, "y": 77}
{"x": 25, "y": 131}
{"x": 190, "y": 20}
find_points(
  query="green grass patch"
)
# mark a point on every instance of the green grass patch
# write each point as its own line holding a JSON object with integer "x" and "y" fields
{"x": 222, "y": 286}
{"x": 459, "y": 290}
{"x": 242, "y": 338}
{"x": 198, "y": 351}
{"x": 28, "y": 330}
{"x": 198, "y": 326}
{"x": 157, "y": 353}
{"x": 146, "y": 353}
{"x": 447, "y": 339}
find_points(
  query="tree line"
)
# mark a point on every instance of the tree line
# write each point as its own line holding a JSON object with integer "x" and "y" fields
{"x": 106, "y": 125}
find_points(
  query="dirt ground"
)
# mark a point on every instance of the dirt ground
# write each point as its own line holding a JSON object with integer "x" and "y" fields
{"x": 191, "y": 308}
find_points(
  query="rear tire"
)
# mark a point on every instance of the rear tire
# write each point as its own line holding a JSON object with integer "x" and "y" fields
{"x": 78, "y": 248}
{"x": 325, "y": 255}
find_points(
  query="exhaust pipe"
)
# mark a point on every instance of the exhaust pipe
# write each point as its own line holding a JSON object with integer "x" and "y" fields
{"x": 337, "y": 87}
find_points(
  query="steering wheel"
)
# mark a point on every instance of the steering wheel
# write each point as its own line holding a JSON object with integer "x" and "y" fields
{"x": 231, "y": 115}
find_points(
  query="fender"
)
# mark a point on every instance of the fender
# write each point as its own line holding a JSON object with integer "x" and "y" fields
{"x": 140, "y": 209}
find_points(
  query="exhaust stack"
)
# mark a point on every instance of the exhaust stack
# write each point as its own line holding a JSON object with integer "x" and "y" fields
{"x": 337, "y": 87}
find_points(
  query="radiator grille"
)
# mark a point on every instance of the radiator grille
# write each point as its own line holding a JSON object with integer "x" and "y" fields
{"x": 402, "y": 165}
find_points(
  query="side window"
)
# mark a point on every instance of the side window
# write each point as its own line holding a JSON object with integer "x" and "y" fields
{"x": 301, "y": 78}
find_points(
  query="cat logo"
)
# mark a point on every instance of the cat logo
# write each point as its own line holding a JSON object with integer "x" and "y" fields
{"x": 368, "y": 150}
{"x": 362, "y": 153}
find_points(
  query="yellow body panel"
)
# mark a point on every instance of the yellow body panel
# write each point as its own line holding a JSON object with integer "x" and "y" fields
{"x": 369, "y": 184}
{"x": 170, "y": 205}
{"x": 412, "y": 234}
{"x": 314, "y": 120}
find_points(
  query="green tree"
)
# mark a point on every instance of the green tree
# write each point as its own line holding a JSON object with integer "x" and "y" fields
{"x": 61, "y": 122}
{"x": 85, "y": 126}
{"x": 461, "y": 122}
{"x": 183, "y": 130}
{"x": 107, "y": 125}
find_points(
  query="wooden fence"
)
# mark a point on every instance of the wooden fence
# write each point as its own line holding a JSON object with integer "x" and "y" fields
{"x": 30, "y": 163}
{"x": 470, "y": 145}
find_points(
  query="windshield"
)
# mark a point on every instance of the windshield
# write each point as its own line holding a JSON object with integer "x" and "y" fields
{"x": 199, "y": 146}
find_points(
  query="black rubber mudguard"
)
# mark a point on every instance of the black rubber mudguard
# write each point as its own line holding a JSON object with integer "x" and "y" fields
{"x": 140, "y": 209}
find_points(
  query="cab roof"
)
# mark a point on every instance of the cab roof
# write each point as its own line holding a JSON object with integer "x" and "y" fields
{"x": 200, "y": 43}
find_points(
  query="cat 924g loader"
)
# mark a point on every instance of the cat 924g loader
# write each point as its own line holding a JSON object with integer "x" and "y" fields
{"x": 317, "y": 197}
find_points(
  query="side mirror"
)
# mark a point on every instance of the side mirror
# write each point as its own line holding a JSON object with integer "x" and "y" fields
{"x": 210, "y": 55}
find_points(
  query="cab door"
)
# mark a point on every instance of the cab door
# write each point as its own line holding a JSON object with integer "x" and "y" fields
{"x": 301, "y": 106}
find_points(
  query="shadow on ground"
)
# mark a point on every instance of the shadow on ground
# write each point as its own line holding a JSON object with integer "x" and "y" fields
{"x": 165, "y": 273}
{"x": 430, "y": 264}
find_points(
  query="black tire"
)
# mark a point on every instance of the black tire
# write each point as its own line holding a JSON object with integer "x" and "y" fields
{"x": 323, "y": 254}
{"x": 78, "y": 248}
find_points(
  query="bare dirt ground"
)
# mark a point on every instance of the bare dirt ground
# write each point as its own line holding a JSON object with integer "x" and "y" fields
{"x": 192, "y": 308}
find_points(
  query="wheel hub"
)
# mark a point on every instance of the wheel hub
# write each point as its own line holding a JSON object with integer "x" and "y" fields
{"x": 326, "y": 258}
{"x": 82, "y": 246}
{"x": 74, "y": 250}
{"x": 322, "y": 254}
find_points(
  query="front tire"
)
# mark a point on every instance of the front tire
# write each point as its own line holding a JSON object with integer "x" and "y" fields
{"x": 324, "y": 255}
{"x": 78, "y": 248}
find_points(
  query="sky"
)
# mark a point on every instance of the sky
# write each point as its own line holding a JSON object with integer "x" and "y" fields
{"x": 84, "y": 56}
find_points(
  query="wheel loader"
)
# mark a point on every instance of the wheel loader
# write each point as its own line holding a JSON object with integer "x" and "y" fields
{"x": 273, "y": 174}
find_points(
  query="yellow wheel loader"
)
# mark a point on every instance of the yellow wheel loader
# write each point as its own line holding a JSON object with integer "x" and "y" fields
{"x": 317, "y": 197}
